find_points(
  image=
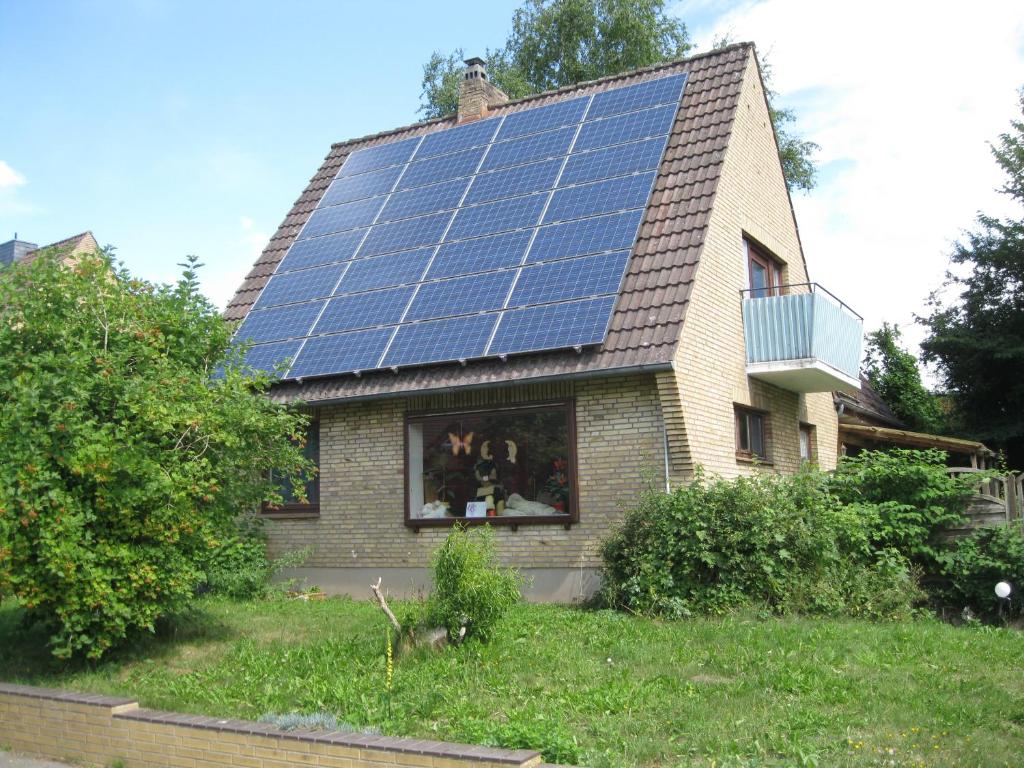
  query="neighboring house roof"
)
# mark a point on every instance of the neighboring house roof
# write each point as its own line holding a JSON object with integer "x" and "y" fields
{"x": 866, "y": 405}
{"x": 66, "y": 248}
{"x": 648, "y": 316}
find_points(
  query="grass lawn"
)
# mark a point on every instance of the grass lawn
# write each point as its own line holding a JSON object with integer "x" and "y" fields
{"x": 598, "y": 688}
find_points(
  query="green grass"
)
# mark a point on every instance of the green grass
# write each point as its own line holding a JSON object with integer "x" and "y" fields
{"x": 600, "y": 688}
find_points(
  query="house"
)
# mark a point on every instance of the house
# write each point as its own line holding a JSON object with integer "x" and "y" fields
{"x": 528, "y": 313}
{"x": 25, "y": 252}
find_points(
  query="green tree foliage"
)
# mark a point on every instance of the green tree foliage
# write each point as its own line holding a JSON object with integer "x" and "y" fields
{"x": 128, "y": 450}
{"x": 555, "y": 43}
{"x": 981, "y": 560}
{"x": 469, "y": 587}
{"x": 893, "y": 373}
{"x": 977, "y": 338}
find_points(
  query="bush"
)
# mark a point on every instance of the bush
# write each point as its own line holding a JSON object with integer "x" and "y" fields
{"x": 981, "y": 560}
{"x": 469, "y": 588}
{"x": 238, "y": 567}
{"x": 907, "y": 498}
{"x": 124, "y": 460}
{"x": 768, "y": 540}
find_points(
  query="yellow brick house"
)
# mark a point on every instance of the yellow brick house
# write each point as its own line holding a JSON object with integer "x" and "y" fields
{"x": 529, "y": 312}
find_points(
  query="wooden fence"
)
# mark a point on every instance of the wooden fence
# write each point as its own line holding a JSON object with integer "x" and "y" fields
{"x": 997, "y": 500}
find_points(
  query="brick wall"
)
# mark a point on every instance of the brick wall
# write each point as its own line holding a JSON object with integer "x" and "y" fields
{"x": 751, "y": 200}
{"x": 97, "y": 730}
{"x": 620, "y": 450}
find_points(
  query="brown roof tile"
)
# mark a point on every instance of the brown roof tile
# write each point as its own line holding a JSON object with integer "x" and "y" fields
{"x": 645, "y": 325}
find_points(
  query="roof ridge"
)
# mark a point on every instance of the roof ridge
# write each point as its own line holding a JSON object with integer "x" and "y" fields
{"x": 555, "y": 91}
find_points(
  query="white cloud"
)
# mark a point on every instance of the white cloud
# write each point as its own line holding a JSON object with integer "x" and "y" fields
{"x": 903, "y": 99}
{"x": 9, "y": 177}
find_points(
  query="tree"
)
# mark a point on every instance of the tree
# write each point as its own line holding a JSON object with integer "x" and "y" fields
{"x": 554, "y": 43}
{"x": 132, "y": 440}
{"x": 893, "y": 373}
{"x": 976, "y": 339}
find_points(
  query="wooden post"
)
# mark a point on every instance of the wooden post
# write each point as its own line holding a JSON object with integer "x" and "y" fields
{"x": 1012, "y": 499}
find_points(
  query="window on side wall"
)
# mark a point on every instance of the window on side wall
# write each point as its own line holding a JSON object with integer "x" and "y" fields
{"x": 807, "y": 443}
{"x": 751, "y": 434}
{"x": 507, "y": 466}
{"x": 765, "y": 272}
{"x": 291, "y": 504}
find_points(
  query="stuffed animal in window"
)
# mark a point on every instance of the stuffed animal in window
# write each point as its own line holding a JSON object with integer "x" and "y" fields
{"x": 490, "y": 491}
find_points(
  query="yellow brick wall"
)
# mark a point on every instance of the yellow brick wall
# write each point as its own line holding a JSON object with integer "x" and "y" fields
{"x": 620, "y": 450}
{"x": 751, "y": 200}
{"x": 96, "y": 731}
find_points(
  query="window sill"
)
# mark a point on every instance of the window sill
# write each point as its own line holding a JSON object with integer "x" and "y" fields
{"x": 291, "y": 512}
{"x": 514, "y": 522}
{"x": 748, "y": 458}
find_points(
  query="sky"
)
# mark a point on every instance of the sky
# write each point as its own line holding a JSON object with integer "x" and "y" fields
{"x": 175, "y": 127}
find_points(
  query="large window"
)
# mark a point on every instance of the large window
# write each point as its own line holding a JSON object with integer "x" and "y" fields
{"x": 751, "y": 434}
{"x": 502, "y": 466}
{"x": 291, "y": 504}
{"x": 765, "y": 272}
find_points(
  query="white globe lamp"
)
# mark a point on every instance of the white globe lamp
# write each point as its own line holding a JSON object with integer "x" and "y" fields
{"x": 1002, "y": 590}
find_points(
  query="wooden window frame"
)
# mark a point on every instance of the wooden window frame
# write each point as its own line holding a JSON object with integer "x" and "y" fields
{"x": 747, "y": 455}
{"x": 812, "y": 451}
{"x": 511, "y": 521}
{"x": 295, "y": 510}
{"x": 772, "y": 266}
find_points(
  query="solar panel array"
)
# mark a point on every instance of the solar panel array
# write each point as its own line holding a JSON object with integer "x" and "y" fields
{"x": 505, "y": 235}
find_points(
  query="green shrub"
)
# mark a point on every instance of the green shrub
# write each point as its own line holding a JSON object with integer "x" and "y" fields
{"x": 469, "y": 588}
{"x": 981, "y": 560}
{"x": 768, "y": 540}
{"x": 238, "y": 567}
{"x": 906, "y": 497}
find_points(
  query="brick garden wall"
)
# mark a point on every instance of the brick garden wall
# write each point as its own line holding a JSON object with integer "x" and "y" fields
{"x": 97, "y": 730}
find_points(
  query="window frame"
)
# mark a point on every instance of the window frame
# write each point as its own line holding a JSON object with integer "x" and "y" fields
{"x": 772, "y": 266}
{"x": 747, "y": 455}
{"x": 810, "y": 430}
{"x": 293, "y": 509}
{"x": 568, "y": 405}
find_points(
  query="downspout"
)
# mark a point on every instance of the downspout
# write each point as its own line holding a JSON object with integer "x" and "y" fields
{"x": 664, "y": 435}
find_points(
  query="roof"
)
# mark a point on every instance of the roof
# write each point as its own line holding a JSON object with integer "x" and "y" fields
{"x": 868, "y": 404}
{"x": 915, "y": 439}
{"x": 646, "y": 323}
{"x": 69, "y": 246}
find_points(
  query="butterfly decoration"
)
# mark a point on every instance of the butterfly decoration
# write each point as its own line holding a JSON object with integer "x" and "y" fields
{"x": 464, "y": 444}
{"x": 485, "y": 450}
{"x": 513, "y": 449}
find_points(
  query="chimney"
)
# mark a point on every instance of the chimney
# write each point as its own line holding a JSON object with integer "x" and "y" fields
{"x": 15, "y": 250}
{"x": 476, "y": 92}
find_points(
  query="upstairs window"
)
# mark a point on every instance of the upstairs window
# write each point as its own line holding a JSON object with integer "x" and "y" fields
{"x": 751, "y": 434}
{"x": 765, "y": 272}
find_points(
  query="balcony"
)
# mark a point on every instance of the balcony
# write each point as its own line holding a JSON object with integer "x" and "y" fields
{"x": 805, "y": 340}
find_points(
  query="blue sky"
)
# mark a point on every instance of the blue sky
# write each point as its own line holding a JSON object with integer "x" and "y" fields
{"x": 181, "y": 127}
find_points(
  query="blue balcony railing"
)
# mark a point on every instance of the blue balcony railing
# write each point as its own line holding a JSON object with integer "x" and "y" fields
{"x": 806, "y": 341}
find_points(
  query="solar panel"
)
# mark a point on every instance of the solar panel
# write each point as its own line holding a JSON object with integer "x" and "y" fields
{"x": 341, "y": 353}
{"x": 570, "y": 279}
{"x": 480, "y": 254}
{"x": 364, "y": 310}
{"x": 441, "y": 168}
{"x": 503, "y": 235}
{"x": 665, "y": 90}
{"x": 267, "y": 357}
{"x": 535, "y": 147}
{"x": 344, "y": 190}
{"x": 437, "y": 341}
{"x": 629, "y": 127}
{"x": 461, "y": 295}
{"x": 436, "y": 197}
{"x": 300, "y": 286}
{"x": 337, "y": 218}
{"x": 543, "y": 118}
{"x": 593, "y": 235}
{"x": 405, "y": 235}
{"x": 600, "y": 197}
{"x": 613, "y": 161}
{"x": 322, "y": 250}
{"x": 552, "y": 326}
{"x": 288, "y": 322}
{"x": 454, "y": 139}
{"x": 513, "y": 213}
{"x": 520, "y": 180}
{"x": 385, "y": 271}
{"x": 382, "y": 155}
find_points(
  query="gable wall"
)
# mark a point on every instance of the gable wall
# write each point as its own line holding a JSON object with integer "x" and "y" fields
{"x": 710, "y": 362}
{"x": 620, "y": 452}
